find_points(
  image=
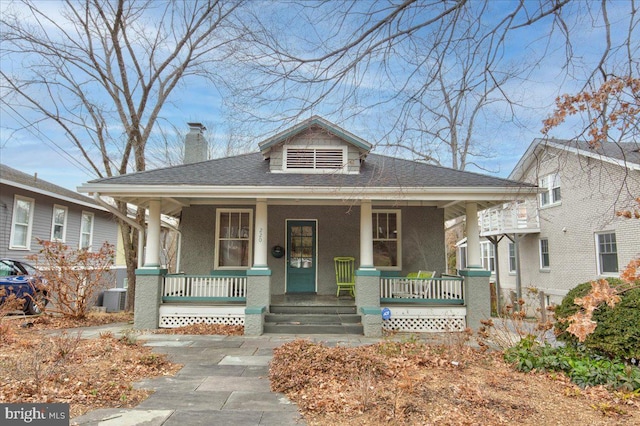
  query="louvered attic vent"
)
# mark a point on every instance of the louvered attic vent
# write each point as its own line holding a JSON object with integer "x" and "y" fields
{"x": 331, "y": 159}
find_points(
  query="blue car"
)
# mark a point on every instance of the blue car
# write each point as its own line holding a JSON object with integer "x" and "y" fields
{"x": 25, "y": 282}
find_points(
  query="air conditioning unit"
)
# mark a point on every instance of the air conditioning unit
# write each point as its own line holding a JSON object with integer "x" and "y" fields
{"x": 115, "y": 299}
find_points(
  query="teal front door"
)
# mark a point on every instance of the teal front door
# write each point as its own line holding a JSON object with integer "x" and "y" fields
{"x": 301, "y": 256}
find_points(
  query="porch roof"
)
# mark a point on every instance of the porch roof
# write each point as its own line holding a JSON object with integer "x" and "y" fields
{"x": 247, "y": 177}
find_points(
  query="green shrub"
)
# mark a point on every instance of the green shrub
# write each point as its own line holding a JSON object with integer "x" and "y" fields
{"x": 581, "y": 366}
{"x": 618, "y": 331}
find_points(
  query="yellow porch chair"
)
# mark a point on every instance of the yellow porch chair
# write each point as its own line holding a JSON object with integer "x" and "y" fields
{"x": 345, "y": 277}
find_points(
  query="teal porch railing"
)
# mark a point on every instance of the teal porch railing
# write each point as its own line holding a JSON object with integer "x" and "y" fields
{"x": 427, "y": 291}
{"x": 204, "y": 288}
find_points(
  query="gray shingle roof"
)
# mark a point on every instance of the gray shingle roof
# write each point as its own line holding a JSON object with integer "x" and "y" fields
{"x": 9, "y": 174}
{"x": 252, "y": 170}
{"x": 625, "y": 151}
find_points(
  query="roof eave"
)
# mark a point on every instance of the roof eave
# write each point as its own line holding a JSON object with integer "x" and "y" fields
{"x": 266, "y": 145}
{"x": 309, "y": 192}
{"x": 52, "y": 194}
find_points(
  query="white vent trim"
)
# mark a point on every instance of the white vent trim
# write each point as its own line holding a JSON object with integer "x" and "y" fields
{"x": 315, "y": 159}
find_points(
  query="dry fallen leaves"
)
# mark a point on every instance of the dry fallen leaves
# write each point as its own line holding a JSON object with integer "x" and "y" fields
{"x": 413, "y": 383}
{"x": 86, "y": 373}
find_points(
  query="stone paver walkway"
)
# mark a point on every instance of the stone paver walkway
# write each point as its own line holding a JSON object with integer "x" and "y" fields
{"x": 224, "y": 381}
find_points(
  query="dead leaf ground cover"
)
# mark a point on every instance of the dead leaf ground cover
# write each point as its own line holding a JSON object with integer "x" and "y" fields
{"x": 390, "y": 383}
{"x": 63, "y": 367}
{"x": 409, "y": 383}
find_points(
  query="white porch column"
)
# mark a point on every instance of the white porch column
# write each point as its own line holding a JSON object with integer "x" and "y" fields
{"x": 152, "y": 254}
{"x": 473, "y": 236}
{"x": 260, "y": 235}
{"x": 366, "y": 235}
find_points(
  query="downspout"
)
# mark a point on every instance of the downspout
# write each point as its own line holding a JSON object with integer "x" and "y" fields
{"x": 127, "y": 219}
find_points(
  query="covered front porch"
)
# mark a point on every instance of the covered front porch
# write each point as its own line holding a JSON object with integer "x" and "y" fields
{"x": 413, "y": 305}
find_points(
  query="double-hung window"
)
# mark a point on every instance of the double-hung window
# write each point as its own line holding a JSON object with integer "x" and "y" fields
{"x": 233, "y": 238}
{"x": 487, "y": 256}
{"x": 512, "y": 257}
{"x": 21, "y": 223}
{"x": 607, "y": 253}
{"x": 86, "y": 230}
{"x": 386, "y": 239}
{"x": 59, "y": 223}
{"x": 550, "y": 185}
{"x": 544, "y": 253}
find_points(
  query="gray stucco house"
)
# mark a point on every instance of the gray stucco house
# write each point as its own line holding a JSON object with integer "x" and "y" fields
{"x": 260, "y": 231}
{"x": 32, "y": 208}
{"x": 570, "y": 233}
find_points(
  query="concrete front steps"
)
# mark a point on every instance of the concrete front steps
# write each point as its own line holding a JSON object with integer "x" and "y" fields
{"x": 325, "y": 319}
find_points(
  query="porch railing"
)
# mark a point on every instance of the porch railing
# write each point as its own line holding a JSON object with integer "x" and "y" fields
{"x": 204, "y": 288}
{"x": 448, "y": 290}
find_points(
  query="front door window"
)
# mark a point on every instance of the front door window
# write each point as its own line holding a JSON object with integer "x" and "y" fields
{"x": 301, "y": 256}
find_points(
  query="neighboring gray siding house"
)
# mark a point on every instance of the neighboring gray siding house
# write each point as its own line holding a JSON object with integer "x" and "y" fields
{"x": 31, "y": 209}
{"x": 571, "y": 234}
{"x": 261, "y": 230}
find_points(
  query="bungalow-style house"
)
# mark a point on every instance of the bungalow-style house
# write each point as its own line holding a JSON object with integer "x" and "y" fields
{"x": 571, "y": 233}
{"x": 32, "y": 208}
{"x": 260, "y": 233}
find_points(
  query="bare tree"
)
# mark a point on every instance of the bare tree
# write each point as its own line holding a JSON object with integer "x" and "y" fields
{"x": 427, "y": 71}
{"x": 103, "y": 70}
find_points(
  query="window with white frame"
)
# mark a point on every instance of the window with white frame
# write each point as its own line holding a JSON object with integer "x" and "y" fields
{"x": 512, "y": 257}
{"x": 386, "y": 239}
{"x": 21, "y": 223}
{"x": 462, "y": 253}
{"x": 86, "y": 230}
{"x": 544, "y": 253}
{"x": 59, "y": 223}
{"x": 315, "y": 159}
{"x": 550, "y": 185}
{"x": 607, "y": 253}
{"x": 487, "y": 256}
{"x": 233, "y": 238}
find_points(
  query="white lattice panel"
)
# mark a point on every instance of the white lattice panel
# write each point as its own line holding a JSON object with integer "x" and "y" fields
{"x": 172, "y": 316}
{"x": 426, "y": 320}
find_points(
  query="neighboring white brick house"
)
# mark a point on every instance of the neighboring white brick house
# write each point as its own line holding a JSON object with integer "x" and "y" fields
{"x": 579, "y": 237}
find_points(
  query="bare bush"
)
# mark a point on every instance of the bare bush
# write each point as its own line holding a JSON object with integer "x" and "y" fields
{"x": 74, "y": 276}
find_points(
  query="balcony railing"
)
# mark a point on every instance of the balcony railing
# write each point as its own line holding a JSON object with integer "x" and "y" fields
{"x": 509, "y": 218}
{"x": 449, "y": 290}
{"x": 204, "y": 288}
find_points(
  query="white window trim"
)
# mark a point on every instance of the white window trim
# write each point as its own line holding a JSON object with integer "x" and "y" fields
{"x": 398, "y": 213}
{"x": 548, "y": 189}
{"x": 217, "y": 239}
{"x": 544, "y": 268}
{"x": 343, "y": 169}
{"x": 488, "y": 247}
{"x": 598, "y": 265}
{"x": 64, "y": 225}
{"x": 512, "y": 244}
{"x": 93, "y": 221}
{"x": 32, "y": 206}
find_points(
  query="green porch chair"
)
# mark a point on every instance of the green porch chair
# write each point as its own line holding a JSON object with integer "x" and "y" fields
{"x": 345, "y": 276}
{"x": 421, "y": 289}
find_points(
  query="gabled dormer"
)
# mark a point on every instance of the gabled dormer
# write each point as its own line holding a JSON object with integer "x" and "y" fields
{"x": 315, "y": 146}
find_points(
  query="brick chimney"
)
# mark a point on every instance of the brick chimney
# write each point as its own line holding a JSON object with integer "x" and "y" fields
{"x": 195, "y": 145}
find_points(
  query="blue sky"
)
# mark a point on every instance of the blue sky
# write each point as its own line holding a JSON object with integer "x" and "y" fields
{"x": 44, "y": 150}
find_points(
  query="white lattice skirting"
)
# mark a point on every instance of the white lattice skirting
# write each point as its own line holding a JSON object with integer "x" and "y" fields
{"x": 425, "y": 320}
{"x": 172, "y": 316}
